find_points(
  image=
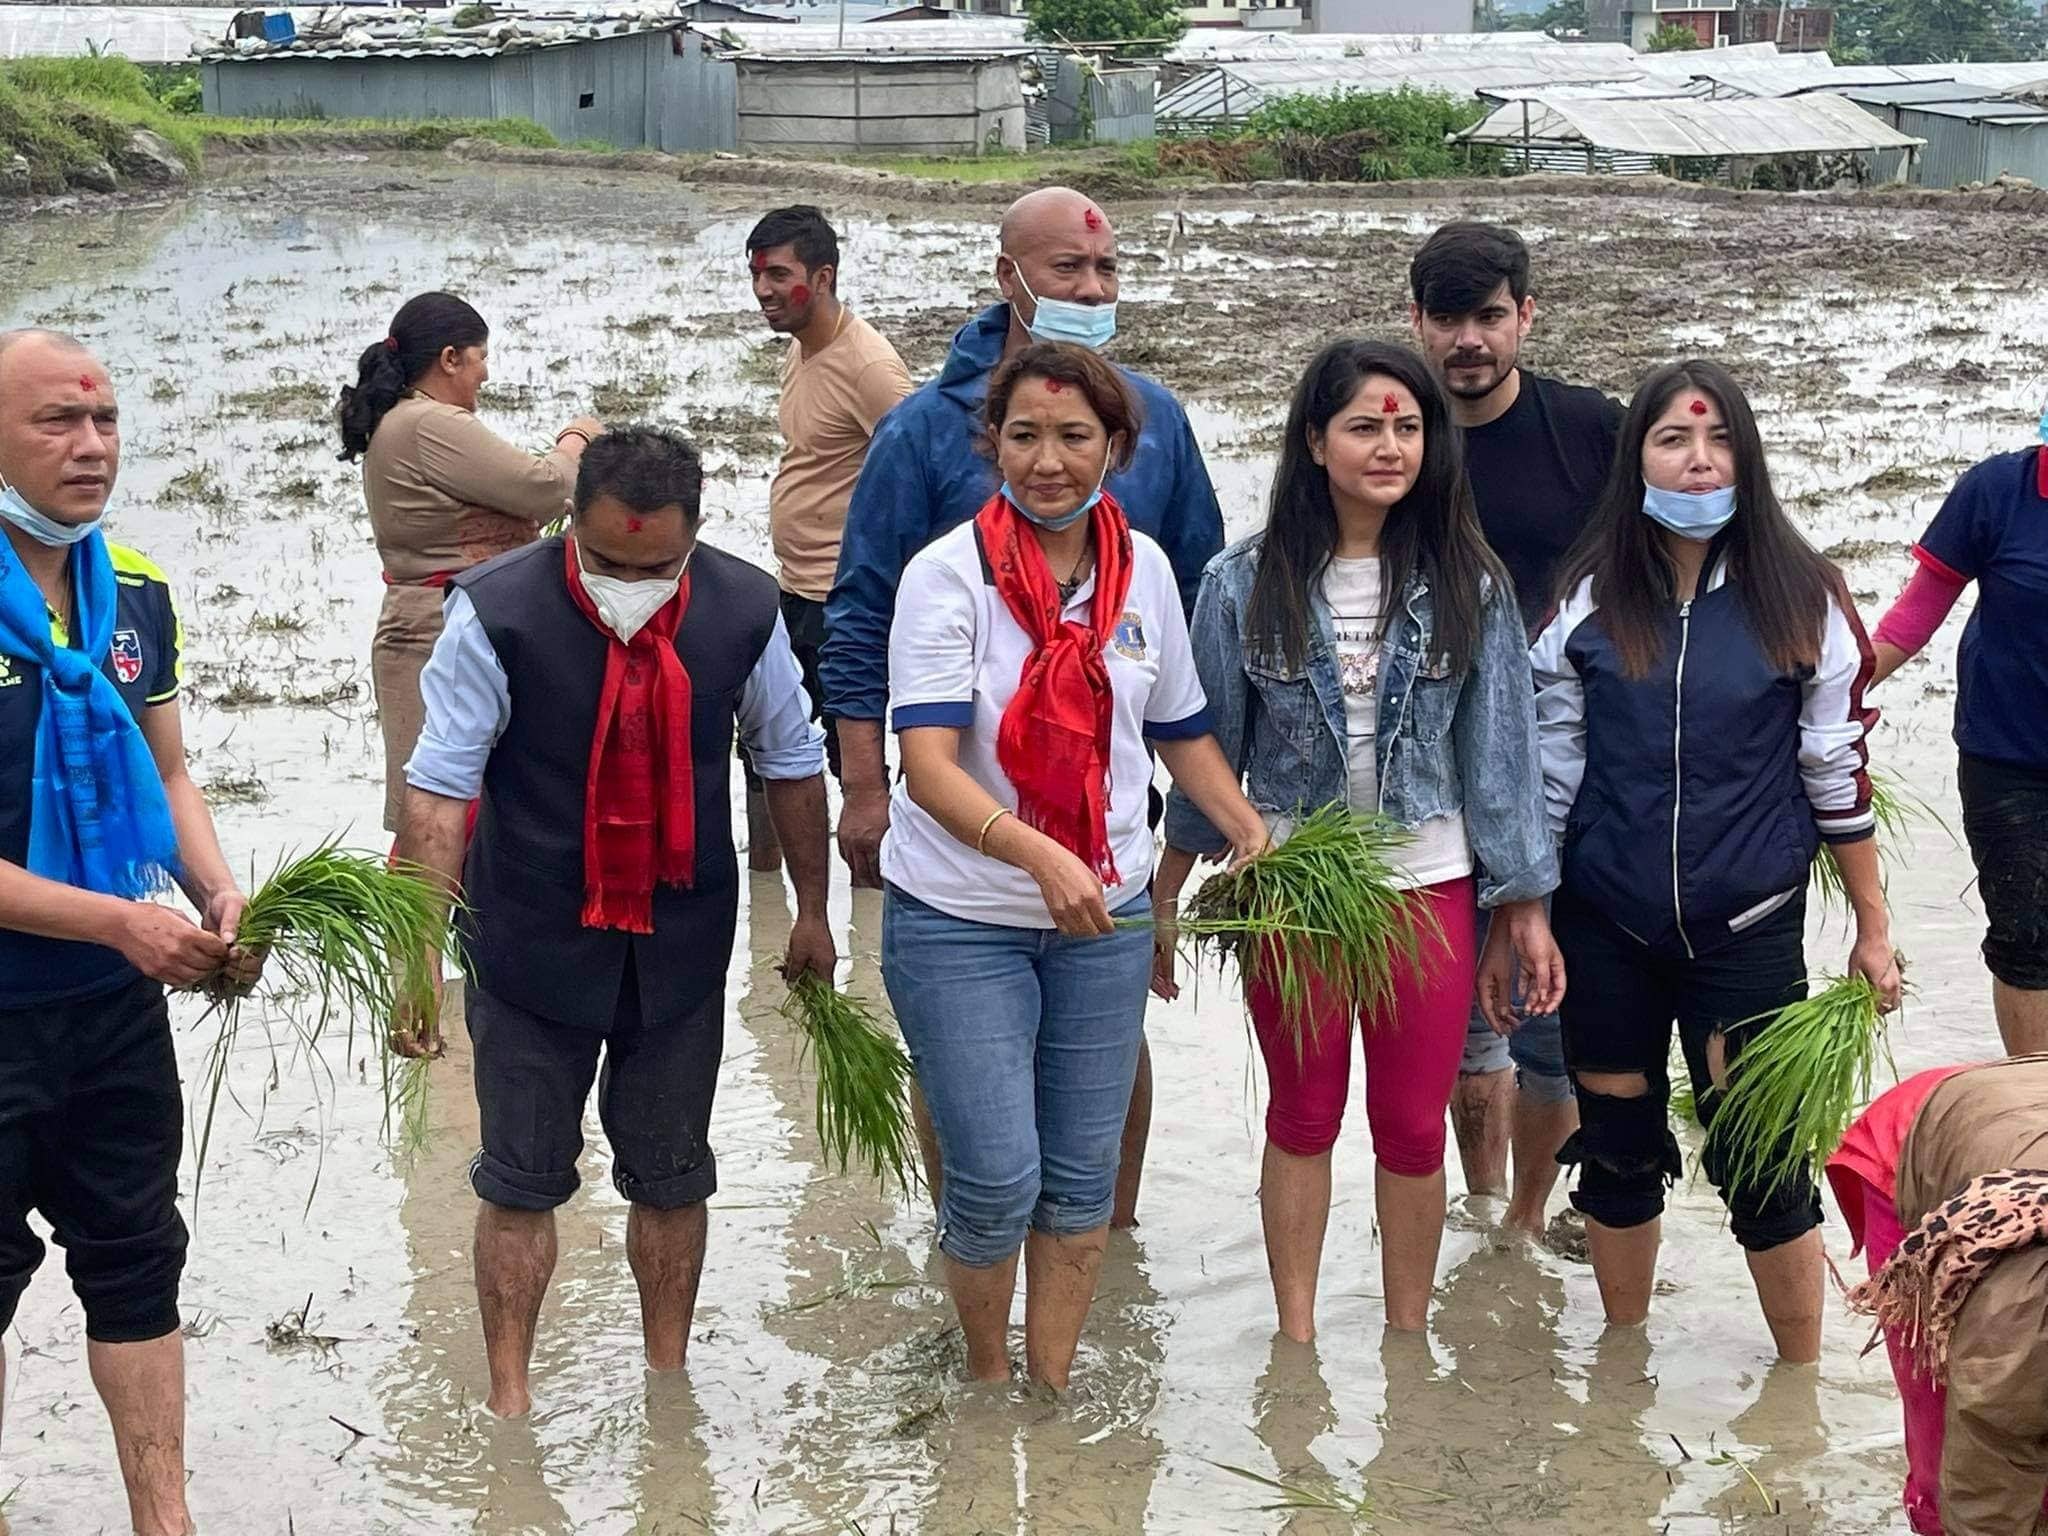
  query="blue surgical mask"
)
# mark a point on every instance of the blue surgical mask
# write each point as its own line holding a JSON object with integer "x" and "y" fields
{"x": 1697, "y": 515}
{"x": 44, "y": 530}
{"x": 1085, "y": 325}
{"x": 1065, "y": 519}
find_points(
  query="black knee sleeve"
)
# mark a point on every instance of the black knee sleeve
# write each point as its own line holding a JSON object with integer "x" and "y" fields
{"x": 1762, "y": 1215}
{"x": 1626, "y": 1157}
{"x": 128, "y": 1286}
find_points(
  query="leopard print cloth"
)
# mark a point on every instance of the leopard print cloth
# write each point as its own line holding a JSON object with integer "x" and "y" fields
{"x": 1922, "y": 1287}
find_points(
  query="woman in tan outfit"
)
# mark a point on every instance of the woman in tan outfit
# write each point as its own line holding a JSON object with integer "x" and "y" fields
{"x": 444, "y": 492}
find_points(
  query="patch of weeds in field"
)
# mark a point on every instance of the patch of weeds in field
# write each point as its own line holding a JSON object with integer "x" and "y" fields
{"x": 644, "y": 325}
{"x": 279, "y": 623}
{"x": 340, "y": 691}
{"x": 856, "y": 1283}
{"x": 243, "y": 692}
{"x": 626, "y": 399}
{"x": 764, "y": 363}
{"x": 166, "y": 390}
{"x": 285, "y": 398}
{"x": 299, "y": 488}
{"x": 235, "y": 787}
{"x": 199, "y": 486}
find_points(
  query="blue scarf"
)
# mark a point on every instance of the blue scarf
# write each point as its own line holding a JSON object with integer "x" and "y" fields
{"x": 98, "y": 818}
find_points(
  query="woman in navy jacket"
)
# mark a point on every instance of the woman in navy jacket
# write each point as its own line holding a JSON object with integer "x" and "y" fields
{"x": 1701, "y": 720}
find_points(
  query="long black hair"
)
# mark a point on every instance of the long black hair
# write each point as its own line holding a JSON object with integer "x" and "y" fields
{"x": 424, "y": 327}
{"x": 1433, "y": 530}
{"x": 1786, "y": 582}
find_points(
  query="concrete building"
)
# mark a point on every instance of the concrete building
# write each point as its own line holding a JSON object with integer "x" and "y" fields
{"x": 1716, "y": 23}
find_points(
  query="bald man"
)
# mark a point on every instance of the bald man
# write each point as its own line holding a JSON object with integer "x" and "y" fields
{"x": 97, "y": 814}
{"x": 1056, "y": 267}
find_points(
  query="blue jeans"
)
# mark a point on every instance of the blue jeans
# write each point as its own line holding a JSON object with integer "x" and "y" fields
{"x": 1535, "y": 1050}
{"x": 1026, "y": 1046}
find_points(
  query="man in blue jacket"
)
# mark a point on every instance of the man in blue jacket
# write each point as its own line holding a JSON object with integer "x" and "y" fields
{"x": 1057, "y": 271}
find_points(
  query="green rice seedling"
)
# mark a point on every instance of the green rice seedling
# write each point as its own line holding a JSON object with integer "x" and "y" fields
{"x": 863, "y": 1075}
{"x": 343, "y": 933}
{"x": 1797, "y": 1083}
{"x": 1320, "y": 909}
{"x": 1898, "y": 811}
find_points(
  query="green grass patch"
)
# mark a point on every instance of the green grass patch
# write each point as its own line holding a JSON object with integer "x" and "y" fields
{"x": 427, "y": 133}
{"x": 64, "y": 116}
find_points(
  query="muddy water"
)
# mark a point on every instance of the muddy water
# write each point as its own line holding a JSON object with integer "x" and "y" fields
{"x": 336, "y": 1366}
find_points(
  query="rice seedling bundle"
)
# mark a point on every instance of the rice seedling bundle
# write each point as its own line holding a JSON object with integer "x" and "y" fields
{"x": 1797, "y": 1083}
{"x": 863, "y": 1077}
{"x": 1321, "y": 910}
{"x": 343, "y": 933}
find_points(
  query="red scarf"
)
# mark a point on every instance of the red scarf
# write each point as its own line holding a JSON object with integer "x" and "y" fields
{"x": 640, "y": 797}
{"x": 1054, "y": 741}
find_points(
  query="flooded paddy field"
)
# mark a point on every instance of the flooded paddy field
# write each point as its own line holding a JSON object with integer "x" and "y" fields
{"x": 335, "y": 1359}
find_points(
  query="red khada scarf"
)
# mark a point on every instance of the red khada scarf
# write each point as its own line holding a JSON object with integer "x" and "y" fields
{"x": 640, "y": 797}
{"x": 1054, "y": 741}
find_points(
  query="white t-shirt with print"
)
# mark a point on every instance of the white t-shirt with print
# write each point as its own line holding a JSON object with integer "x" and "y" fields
{"x": 1440, "y": 850}
{"x": 955, "y": 657}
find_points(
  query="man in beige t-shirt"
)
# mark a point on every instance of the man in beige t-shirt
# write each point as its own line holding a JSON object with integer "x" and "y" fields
{"x": 842, "y": 377}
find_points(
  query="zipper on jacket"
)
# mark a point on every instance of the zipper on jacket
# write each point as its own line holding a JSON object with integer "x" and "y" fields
{"x": 1678, "y": 768}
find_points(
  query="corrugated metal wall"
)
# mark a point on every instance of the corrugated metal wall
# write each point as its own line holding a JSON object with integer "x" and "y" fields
{"x": 632, "y": 92}
{"x": 1121, "y": 102}
{"x": 790, "y": 104}
{"x": 1960, "y": 151}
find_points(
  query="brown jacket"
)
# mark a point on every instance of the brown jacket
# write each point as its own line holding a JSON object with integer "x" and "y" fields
{"x": 1994, "y": 1457}
{"x": 445, "y": 492}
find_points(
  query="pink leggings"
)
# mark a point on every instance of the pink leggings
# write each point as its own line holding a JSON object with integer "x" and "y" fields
{"x": 1922, "y": 1402}
{"x": 1412, "y": 1051}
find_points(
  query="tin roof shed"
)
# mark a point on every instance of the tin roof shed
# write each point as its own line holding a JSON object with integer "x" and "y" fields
{"x": 1687, "y": 129}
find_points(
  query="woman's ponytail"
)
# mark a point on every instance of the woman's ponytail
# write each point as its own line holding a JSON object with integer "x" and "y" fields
{"x": 426, "y": 326}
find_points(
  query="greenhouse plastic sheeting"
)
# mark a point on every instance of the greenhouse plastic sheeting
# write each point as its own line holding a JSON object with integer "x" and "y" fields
{"x": 1685, "y": 129}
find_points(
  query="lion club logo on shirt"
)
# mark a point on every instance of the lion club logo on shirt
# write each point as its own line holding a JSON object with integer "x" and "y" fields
{"x": 1129, "y": 637}
{"x": 127, "y": 655}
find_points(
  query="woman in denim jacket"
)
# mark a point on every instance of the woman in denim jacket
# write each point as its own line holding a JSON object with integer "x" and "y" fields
{"x": 1417, "y": 705}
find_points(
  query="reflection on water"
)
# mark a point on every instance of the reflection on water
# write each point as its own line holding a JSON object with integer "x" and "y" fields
{"x": 823, "y": 1393}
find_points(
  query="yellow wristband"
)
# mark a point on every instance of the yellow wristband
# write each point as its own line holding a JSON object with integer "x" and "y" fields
{"x": 981, "y": 841}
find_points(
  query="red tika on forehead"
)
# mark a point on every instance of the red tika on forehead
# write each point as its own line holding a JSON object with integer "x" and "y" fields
{"x": 760, "y": 261}
{"x": 1389, "y": 406}
{"x": 1053, "y": 386}
{"x": 1699, "y": 407}
{"x": 634, "y": 525}
{"x": 1091, "y": 218}
{"x": 86, "y": 383}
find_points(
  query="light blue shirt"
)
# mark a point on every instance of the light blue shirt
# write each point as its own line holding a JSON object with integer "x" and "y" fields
{"x": 469, "y": 704}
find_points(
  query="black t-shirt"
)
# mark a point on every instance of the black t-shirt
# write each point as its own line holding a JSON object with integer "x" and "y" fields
{"x": 143, "y": 664}
{"x": 1536, "y": 473}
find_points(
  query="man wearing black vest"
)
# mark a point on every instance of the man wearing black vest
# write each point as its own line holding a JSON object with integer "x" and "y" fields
{"x": 1537, "y": 450}
{"x": 585, "y": 691}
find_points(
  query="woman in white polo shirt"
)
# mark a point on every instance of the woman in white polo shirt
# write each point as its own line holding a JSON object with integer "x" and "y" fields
{"x": 1035, "y": 650}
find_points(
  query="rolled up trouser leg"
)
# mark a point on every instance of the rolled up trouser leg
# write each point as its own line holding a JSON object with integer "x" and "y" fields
{"x": 1625, "y": 1153}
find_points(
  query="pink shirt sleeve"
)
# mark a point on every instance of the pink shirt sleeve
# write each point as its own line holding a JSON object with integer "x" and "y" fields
{"x": 1920, "y": 608}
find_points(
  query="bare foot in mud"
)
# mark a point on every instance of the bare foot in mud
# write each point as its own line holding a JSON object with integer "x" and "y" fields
{"x": 512, "y": 1410}
{"x": 1566, "y": 1236}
